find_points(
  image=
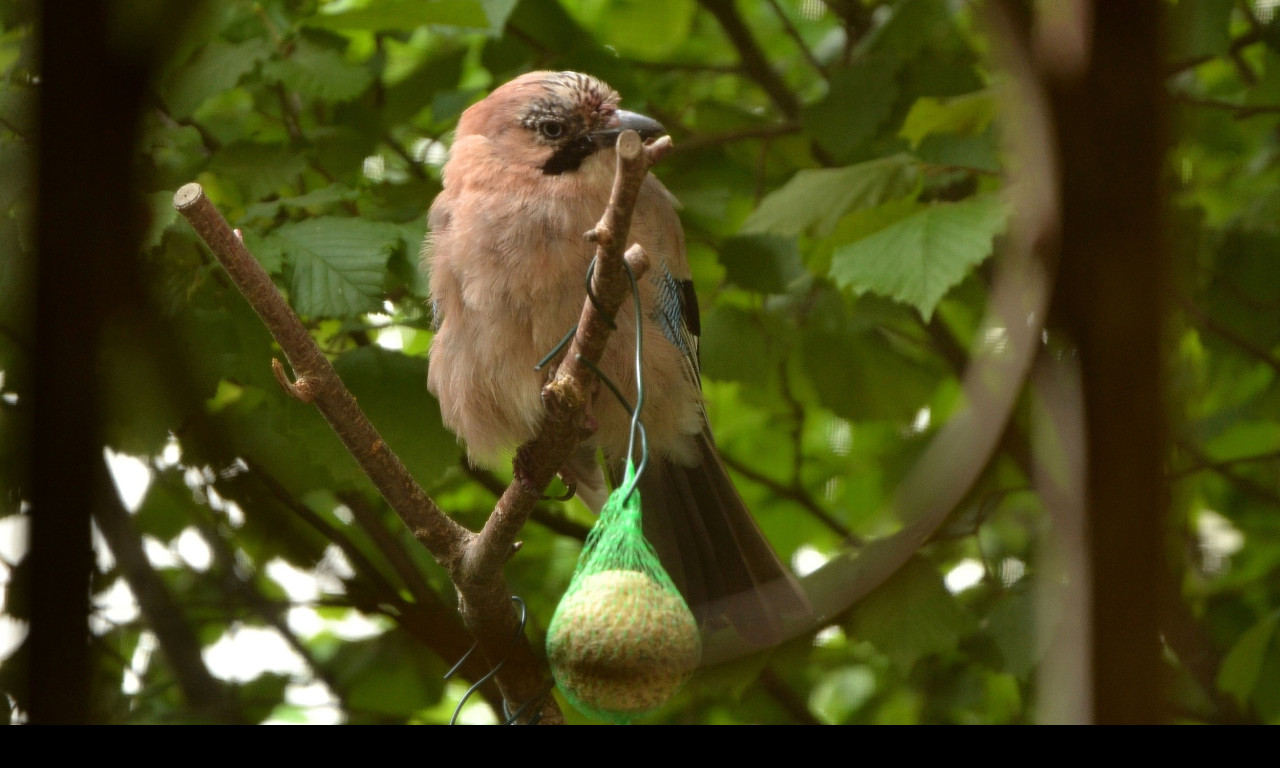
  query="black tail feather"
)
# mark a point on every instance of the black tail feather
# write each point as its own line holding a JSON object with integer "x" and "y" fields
{"x": 715, "y": 552}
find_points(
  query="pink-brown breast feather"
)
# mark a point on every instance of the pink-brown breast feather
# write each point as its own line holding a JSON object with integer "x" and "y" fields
{"x": 507, "y": 262}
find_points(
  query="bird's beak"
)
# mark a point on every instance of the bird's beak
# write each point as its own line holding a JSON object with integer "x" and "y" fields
{"x": 647, "y": 127}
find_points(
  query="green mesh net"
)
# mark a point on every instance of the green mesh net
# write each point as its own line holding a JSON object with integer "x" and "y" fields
{"x": 622, "y": 640}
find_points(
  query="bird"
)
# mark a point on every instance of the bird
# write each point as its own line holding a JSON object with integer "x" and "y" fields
{"x": 529, "y": 172}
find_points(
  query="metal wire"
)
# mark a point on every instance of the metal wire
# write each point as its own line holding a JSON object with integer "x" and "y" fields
{"x": 637, "y": 427}
{"x": 511, "y": 718}
{"x": 595, "y": 302}
{"x": 556, "y": 349}
{"x": 591, "y": 294}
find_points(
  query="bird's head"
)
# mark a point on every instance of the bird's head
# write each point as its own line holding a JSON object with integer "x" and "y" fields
{"x": 553, "y": 121}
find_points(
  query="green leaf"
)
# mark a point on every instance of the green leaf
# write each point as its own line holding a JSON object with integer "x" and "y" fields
{"x": 392, "y": 391}
{"x": 161, "y": 215}
{"x": 735, "y": 348}
{"x": 438, "y": 77}
{"x": 910, "y": 616}
{"x": 19, "y": 109}
{"x": 317, "y": 200}
{"x": 1200, "y": 28}
{"x": 858, "y": 374}
{"x": 917, "y": 260}
{"x": 319, "y": 72}
{"x": 1238, "y": 674}
{"x": 498, "y": 12}
{"x": 141, "y": 406}
{"x": 390, "y": 674}
{"x": 408, "y": 15}
{"x": 647, "y": 29}
{"x": 912, "y": 25}
{"x": 1012, "y": 625}
{"x": 1243, "y": 439}
{"x": 339, "y": 264}
{"x": 858, "y": 102}
{"x": 764, "y": 263}
{"x": 262, "y": 695}
{"x": 966, "y": 115}
{"x": 268, "y": 250}
{"x": 167, "y": 508}
{"x": 979, "y": 152}
{"x": 813, "y": 201}
{"x": 842, "y": 692}
{"x": 15, "y": 173}
{"x": 218, "y": 67}
{"x": 259, "y": 170}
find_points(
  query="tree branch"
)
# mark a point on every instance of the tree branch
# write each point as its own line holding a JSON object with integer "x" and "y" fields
{"x": 1238, "y": 111}
{"x": 793, "y": 492}
{"x": 1202, "y": 319}
{"x": 206, "y": 694}
{"x": 794, "y": 34}
{"x": 754, "y": 59}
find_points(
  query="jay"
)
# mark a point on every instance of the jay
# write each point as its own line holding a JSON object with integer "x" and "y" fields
{"x": 530, "y": 171}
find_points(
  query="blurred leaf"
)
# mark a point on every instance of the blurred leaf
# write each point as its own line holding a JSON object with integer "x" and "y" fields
{"x": 979, "y": 152}
{"x": 260, "y": 169}
{"x": 408, "y": 15}
{"x": 15, "y": 173}
{"x": 1200, "y": 28}
{"x": 161, "y": 214}
{"x": 735, "y": 347}
{"x": 966, "y": 115}
{"x": 858, "y": 375}
{"x": 1012, "y": 625}
{"x": 911, "y": 26}
{"x": 318, "y": 200}
{"x": 859, "y": 101}
{"x": 141, "y": 404}
{"x": 217, "y": 68}
{"x": 1238, "y": 674}
{"x": 319, "y": 72}
{"x": 647, "y": 29}
{"x": 842, "y": 692}
{"x": 386, "y": 675}
{"x": 814, "y": 200}
{"x": 763, "y": 263}
{"x": 262, "y": 695}
{"x": 392, "y": 391}
{"x": 167, "y": 508}
{"x": 920, "y": 258}
{"x": 910, "y": 616}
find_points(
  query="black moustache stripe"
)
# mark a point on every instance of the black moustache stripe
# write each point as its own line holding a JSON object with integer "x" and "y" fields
{"x": 569, "y": 157}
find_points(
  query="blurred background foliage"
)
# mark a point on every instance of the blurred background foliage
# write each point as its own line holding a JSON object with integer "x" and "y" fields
{"x": 840, "y": 168}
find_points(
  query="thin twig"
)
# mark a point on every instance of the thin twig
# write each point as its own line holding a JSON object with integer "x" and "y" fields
{"x": 1233, "y": 51}
{"x": 747, "y": 133}
{"x": 786, "y": 697}
{"x": 1256, "y": 490}
{"x": 1238, "y": 111}
{"x": 795, "y": 493}
{"x": 540, "y": 515}
{"x": 754, "y": 59}
{"x": 1203, "y": 319}
{"x": 1205, "y": 465}
{"x": 206, "y": 694}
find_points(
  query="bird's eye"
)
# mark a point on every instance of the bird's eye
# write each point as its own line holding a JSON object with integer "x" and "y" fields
{"x": 551, "y": 129}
